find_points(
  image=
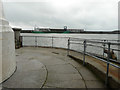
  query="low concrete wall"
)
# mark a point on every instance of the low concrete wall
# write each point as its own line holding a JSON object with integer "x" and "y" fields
{"x": 102, "y": 75}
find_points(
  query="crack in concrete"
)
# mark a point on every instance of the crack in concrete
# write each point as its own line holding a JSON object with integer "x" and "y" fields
{"x": 46, "y": 77}
{"x": 80, "y": 75}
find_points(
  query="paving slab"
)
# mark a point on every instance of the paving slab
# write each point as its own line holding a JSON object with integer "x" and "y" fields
{"x": 67, "y": 84}
{"x": 63, "y": 77}
{"x": 87, "y": 74}
{"x": 94, "y": 84}
{"x": 0, "y": 86}
{"x": 62, "y": 69}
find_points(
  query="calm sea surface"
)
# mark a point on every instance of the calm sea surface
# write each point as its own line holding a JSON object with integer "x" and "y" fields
{"x": 85, "y": 36}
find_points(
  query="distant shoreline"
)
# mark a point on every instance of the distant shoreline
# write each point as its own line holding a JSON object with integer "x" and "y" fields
{"x": 66, "y": 31}
{"x": 83, "y": 32}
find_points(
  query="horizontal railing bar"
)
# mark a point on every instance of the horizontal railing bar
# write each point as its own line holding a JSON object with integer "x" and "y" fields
{"x": 94, "y": 45}
{"x": 115, "y": 43}
{"x": 114, "y": 61}
{"x": 103, "y": 60}
{"x": 104, "y": 42}
{"x": 101, "y": 41}
{"x": 116, "y": 49}
{"x": 76, "y": 43}
{"x": 87, "y": 44}
{"x": 98, "y": 58}
{"x": 94, "y": 39}
{"x": 80, "y": 39}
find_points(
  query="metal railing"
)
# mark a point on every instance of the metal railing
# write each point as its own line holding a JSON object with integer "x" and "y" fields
{"x": 84, "y": 44}
{"x": 107, "y": 43}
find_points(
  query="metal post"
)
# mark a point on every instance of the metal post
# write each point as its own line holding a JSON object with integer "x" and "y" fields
{"x": 104, "y": 48}
{"x": 52, "y": 42}
{"x": 68, "y": 46}
{"x": 84, "y": 52}
{"x": 35, "y": 41}
{"x": 21, "y": 41}
{"x": 108, "y": 58}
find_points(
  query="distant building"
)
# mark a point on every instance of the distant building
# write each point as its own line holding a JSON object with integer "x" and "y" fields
{"x": 42, "y": 29}
{"x": 75, "y": 30}
{"x": 58, "y": 30}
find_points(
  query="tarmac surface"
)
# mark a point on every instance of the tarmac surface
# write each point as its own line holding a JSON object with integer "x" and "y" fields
{"x": 50, "y": 68}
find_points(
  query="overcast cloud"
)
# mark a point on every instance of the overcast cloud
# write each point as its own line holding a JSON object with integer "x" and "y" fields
{"x": 86, "y": 14}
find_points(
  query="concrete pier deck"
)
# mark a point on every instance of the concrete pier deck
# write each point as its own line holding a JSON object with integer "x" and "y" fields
{"x": 50, "y": 68}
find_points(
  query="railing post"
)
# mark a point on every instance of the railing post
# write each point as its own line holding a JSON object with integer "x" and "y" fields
{"x": 84, "y": 52}
{"x": 35, "y": 41}
{"x": 108, "y": 58}
{"x": 21, "y": 41}
{"x": 52, "y": 42}
{"x": 104, "y": 48}
{"x": 68, "y": 46}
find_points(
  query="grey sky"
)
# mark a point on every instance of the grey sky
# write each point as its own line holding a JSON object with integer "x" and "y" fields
{"x": 86, "y": 14}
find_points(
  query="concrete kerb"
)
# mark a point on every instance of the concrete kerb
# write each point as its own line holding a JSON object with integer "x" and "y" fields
{"x": 10, "y": 76}
{"x": 100, "y": 74}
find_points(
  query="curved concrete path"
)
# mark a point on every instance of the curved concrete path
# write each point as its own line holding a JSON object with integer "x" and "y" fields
{"x": 49, "y": 68}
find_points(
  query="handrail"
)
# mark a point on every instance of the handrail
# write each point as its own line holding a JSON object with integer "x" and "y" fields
{"x": 86, "y": 43}
{"x": 108, "y": 56}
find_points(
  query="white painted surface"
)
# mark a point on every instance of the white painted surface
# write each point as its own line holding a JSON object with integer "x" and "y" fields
{"x": 7, "y": 48}
{"x": 0, "y": 55}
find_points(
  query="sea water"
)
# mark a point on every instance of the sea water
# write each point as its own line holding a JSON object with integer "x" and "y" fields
{"x": 63, "y": 42}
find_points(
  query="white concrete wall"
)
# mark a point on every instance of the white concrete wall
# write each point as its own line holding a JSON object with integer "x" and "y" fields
{"x": 0, "y": 56}
{"x": 7, "y": 48}
{"x": 7, "y": 54}
{"x": 119, "y": 28}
